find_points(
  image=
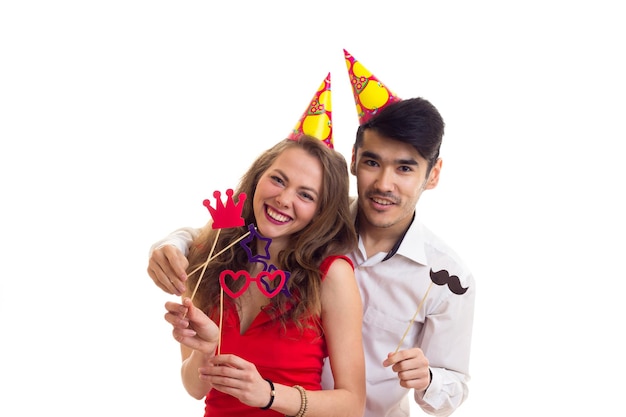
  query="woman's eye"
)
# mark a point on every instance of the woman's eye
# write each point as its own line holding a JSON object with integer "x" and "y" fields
{"x": 277, "y": 179}
{"x": 307, "y": 196}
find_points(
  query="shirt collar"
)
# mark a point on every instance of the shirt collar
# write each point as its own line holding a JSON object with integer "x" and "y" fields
{"x": 397, "y": 245}
{"x": 412, "y": 244}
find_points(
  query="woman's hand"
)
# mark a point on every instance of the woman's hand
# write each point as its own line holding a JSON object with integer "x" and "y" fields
{"x": 192, "y": 328}
{"x": 235, "y": 376}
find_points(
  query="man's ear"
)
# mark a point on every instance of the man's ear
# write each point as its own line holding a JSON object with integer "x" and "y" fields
{"x": 353, "y": 163}
{"x": 433, "y": 177}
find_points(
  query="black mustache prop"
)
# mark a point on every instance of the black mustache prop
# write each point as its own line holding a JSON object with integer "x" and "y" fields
{"x": 443, "y": 277}
{"x": 440, "y": 278}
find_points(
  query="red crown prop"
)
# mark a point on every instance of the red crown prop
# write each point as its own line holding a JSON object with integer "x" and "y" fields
{"x": 228, "y": 215}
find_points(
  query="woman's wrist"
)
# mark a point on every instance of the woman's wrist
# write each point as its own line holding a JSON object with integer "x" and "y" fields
{"x": 272, "y": 395}
{"x": 303, "y": 401}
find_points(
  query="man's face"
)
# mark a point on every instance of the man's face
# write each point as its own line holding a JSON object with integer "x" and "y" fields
{"x": 391, "y": 176}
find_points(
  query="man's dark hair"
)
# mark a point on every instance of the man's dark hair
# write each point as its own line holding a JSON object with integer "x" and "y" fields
{"x": 414, "y": 121}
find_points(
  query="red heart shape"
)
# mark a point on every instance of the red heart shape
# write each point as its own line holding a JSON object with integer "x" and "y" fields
{"x": 235, "y": 276}
{"x": 271, "y": 276}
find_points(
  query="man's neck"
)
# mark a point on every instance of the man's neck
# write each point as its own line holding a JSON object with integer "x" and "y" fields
{"x": 381, "y": 239}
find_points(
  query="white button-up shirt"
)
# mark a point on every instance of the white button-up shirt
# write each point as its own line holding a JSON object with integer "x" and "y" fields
{"x": 391, "y": 291}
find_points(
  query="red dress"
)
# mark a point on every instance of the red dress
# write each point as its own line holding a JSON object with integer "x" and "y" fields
{"x": 282, "y": 355}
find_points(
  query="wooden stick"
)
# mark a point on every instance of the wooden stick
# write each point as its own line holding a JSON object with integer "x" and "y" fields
{"x": 204, "y": 266}
{"x": 219, "y": 336}
{"x": 217, "y": 254}
{"x": 206, "y": 263}
{"x": 419, "y": 307}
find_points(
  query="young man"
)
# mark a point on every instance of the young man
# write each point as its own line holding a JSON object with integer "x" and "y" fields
{"x": 395, "y": 158}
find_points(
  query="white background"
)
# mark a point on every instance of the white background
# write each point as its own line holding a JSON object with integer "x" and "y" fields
{"x": 118, "y": 118}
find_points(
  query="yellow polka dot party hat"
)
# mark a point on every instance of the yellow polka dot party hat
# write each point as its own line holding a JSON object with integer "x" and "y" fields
{"x": 370, "y": 94}
{"x": 316, "y": 120}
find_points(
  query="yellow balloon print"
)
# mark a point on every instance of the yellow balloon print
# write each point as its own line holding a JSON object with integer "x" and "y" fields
{"x": 374, "y": 96}
{"x": 360, "y": 71}
{"x": 317, "y": 125}
{"x": 325, "y": 100}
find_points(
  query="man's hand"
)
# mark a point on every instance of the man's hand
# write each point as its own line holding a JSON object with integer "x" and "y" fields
{"x": 166, "y": 267}
{"x": 412, "y": 368}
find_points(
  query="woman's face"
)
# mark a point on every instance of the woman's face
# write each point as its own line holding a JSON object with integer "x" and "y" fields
{"x": 287, "y": 196}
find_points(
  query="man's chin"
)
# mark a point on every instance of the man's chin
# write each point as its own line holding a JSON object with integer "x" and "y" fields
{"x": 379, "y": 220}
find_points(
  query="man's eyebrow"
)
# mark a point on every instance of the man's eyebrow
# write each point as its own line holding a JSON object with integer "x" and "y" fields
{"x": 406, "y": 162}
{"x": 372, "y": 155}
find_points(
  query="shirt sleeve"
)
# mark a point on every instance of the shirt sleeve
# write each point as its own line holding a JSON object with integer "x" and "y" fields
{"x": 446, "y": 343}
{"x": 180, "y": 238}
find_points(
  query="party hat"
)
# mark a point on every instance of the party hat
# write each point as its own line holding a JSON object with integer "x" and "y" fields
{"x": 316, "y": 120}
{"x": 370, "y": 94}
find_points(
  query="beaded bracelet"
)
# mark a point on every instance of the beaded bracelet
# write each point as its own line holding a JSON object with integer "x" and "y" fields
{"x": 272, "y": 395}
{"x": 303, "y": 401}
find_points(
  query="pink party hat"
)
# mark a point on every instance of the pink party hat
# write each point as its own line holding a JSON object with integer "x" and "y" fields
{"x": 370, "y": 94}
{"x": 316, "y": 120}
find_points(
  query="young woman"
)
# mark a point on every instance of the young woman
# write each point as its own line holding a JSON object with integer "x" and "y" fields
{"x": 272, "y": 349}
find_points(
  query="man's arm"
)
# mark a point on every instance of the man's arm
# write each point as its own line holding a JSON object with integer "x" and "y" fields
{"x": 446, "y": 344}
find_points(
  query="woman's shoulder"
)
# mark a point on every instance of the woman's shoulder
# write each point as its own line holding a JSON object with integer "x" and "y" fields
{"x": 330, "y": 260}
